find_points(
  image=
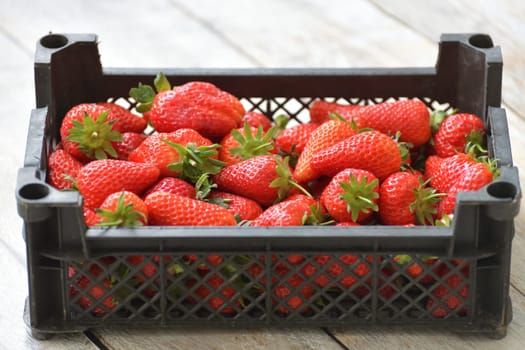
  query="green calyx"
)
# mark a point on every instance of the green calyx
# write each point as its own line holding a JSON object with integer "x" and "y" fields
{"x": 203, "y": 188}
{"x": 316, "y": 217}
{"x": 145, "y": 94}
{"x": 359, "y": 196}
{"x": 94, "y": 137}
{"x": 284, "y": 182}
{"x": 425, "y": 205}
{"x": 123, "y": 216}
{"x": 438, "y": 116}
{"x": 251, "y": 145}
{"x": 475, "y": 145}
{"x": 195, "y": 161}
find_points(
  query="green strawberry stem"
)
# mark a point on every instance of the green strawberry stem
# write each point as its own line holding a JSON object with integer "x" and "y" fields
{"x": 252, "y": 145}
{"x": 145, "y": 94}
{"x": 195, "y": 160}
{"x": 316, "y": 217}
{"x": 438, "y": 116}
{"x": 203, "y": 188}
{"x": 280, "y": 122}
{"x": 123, "y": 216}
{"x": 284, "y": 181}
{"x": 94, "y": 137}
{"x": 425, "y": 204}
{"x": 359, "y": 196}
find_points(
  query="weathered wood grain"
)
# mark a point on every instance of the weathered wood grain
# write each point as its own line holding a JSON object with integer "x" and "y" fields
{"x": 227, "y": 339}
{"x": 405, "y": 338}
{"x": 503, "y": 20}
{"x": 13, "y": 332}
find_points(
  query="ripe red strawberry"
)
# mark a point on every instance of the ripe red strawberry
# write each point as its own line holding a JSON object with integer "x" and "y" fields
{"x": 452, "y": 294}
{"x": 99, "y": 178}
{"x": 415, "y": 269}
{"x": 320, "y": 111}
{"x": 370, "y": 150}
{"x": 352, "y": 195}
{"x": 256, "y": 119}
{"x": 125, "y": 121}
{"x": 62, "y": 168}
{"x": 409, "y": 117}
{"x": 130, "y": 141}
{"x": 87, "y": 132}
{"x": 90, "y": 217}
{"x": 405, "y": 199}
{"x": 291, "y": 212}
{"x": 123, "y": 209}
{"x": 456, "y": 131}
{"x": 241, "y": 207}
{"x": 196, "y": 105}
{"x": 264, "y": 179}
{"x": 244, "y": 143}
{"x": 461, "y": 170}
{"x": 473, "y": 179}
{"x": 326, "y": 135}
{"x": 148, "y": 270}
{"x": 162, "y": 151}
{"x": 291, "y": 141}
{"x": 432, "y": 166}
{"x": 166, "y": 209}
{"x": 172, "y": 185}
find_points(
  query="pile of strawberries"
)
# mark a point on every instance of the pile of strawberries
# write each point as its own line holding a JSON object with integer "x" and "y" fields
{"x": 192, "y": 155}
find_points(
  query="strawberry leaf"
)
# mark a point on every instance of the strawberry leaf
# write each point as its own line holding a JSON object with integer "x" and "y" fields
{"x": 161, "y": 82}
{"x": 251, "y": 145}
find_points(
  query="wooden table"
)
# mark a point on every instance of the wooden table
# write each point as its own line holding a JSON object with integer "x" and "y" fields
{"x": 271, "y": 33}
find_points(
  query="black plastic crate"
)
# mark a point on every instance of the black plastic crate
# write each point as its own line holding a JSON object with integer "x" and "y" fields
{"x": 308, "y": 276}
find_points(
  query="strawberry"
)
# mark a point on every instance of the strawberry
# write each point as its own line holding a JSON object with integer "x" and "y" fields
{"x": 405, "y": 199}
{"x": 244, "y": 143}
{"x": 130, "y": 141}
{"x": 456, "y": 131}
{"x": 123, "y": 209}
{"x": 410, "y": 118}
{"x": 351, "y": 195}
{"x": 147, "y": 271}
{"x": 326, "y": 135}
{"x": 90, "y": 217}
{"x": 320, "y": 111}
{"x": 241, "y": 207}
{"x": 125, "y": 121}
{"x": 264, "y": 179}
{"x": 256, "y": 119}
{"x": 196, "y": 105}
{"x": 291, "y": 212}
{"x": 87, "y": 132}
{"x": 99, "y": 178}
{"x": 172, "y": 153}
{"x": 369, "y": 150}
{"x": 166, "y": 209}
{"x": 172, "y": 185}
{"x": 62, "y": 168}
{"x": 452, "y": 294}
{"x": 292, "y": 141}
{"x": 473, "y": 178}
{"x": 432, "y": 166}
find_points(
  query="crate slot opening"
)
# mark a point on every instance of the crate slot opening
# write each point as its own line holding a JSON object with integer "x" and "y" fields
{"x": 502, "y": 189}
{"x": 481, "y": 41}
{"x": 34, "y": 191}
{"x": 53, "y": 41}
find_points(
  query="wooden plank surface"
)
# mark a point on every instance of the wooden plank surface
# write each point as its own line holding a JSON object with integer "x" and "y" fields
{"x": 305, "y": 33}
